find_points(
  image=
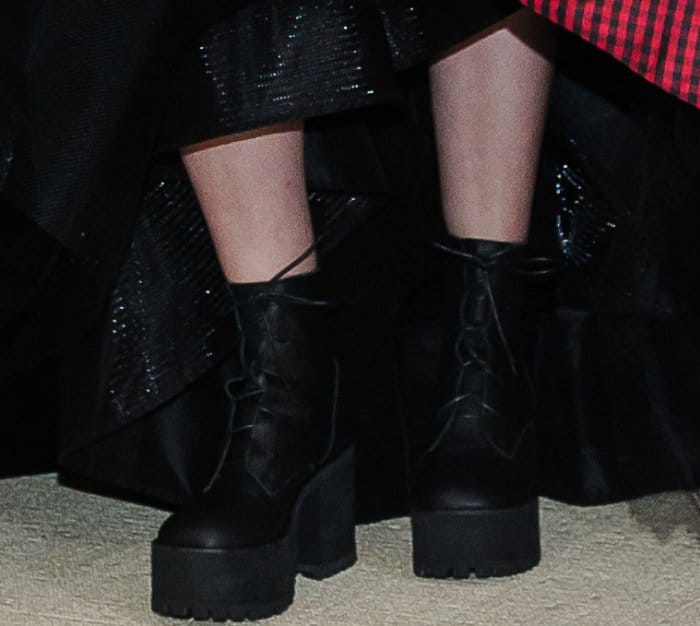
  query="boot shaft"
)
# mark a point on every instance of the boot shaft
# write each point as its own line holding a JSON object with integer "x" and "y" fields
{"x": 467, "y": 389}
{"x": 286, "y": 394}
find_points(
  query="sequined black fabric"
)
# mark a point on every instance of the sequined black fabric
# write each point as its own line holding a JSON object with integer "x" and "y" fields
{"x": 420, "y": 30}
{"x": 170, "y": 311}
{"x": 167, "y": 301}
{"x": 406, "y": 31}
{"x": 584, "y": 218}
{"x": 272, "y": 61}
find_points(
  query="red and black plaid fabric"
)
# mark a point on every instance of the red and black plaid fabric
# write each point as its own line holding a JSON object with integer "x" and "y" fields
{"x": 658, "y": 39}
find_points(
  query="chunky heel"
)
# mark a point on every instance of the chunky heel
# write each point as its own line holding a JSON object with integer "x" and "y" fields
{"x": 484, "y": 543}
{"x": 326, "y": 521}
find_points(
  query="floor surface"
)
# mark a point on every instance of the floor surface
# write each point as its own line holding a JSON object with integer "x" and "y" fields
{"x": 72, "y": 558}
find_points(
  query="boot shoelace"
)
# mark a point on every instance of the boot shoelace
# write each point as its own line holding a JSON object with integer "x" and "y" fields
{"x": 253, "y": 374}
{"x": 472, "y": 334}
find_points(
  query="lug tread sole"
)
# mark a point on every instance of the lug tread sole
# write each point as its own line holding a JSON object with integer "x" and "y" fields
{"x": 463, "y": 544}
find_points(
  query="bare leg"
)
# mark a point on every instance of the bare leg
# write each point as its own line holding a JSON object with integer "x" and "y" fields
{"x": 252, "y": 190}
{"x": 490, "y": 101}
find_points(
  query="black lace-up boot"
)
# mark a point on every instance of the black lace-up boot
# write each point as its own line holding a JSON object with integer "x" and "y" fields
{"x": 473, "y": 492}
{"x": 282, "y": 499}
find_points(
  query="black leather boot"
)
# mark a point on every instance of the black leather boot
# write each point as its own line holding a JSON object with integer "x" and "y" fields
{"x": 282, "y": 499}
{"x": 474, "y": 506}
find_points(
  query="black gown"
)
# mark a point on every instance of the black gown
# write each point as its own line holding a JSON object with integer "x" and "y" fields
{"x": 116, "y": 326}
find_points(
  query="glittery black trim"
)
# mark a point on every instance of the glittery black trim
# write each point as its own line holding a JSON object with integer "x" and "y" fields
{"x": 420, "y": 30}
{"x": 274, "y": 61}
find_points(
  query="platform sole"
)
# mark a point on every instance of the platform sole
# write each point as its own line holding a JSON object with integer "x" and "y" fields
{"x": 258, "y": 582}
{"x": 482, "y": 543}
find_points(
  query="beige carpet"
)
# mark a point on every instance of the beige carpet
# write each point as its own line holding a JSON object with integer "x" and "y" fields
{"x": 71, "y": 558}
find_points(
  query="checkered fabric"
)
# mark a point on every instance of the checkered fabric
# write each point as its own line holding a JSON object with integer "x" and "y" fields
{"x": 658, "y": 39}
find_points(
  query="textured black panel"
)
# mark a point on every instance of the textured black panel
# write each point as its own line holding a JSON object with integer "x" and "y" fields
{"x": 418, "y": 30}
{"x": 169, "y": 296}
{"x": 272, "y": 61}
{"x": 170, "y": 312}
{"x": 584, "y": 218}
{"x": 405, "y": 28}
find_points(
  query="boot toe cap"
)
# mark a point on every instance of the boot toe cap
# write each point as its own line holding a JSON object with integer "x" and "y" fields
{"x": 219, "y": 528}
{"x": 472, "y": 484}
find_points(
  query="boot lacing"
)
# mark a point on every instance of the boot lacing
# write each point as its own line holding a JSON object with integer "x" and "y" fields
{"x": 253, "y": 374}
{"x": 465, "y": 348}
